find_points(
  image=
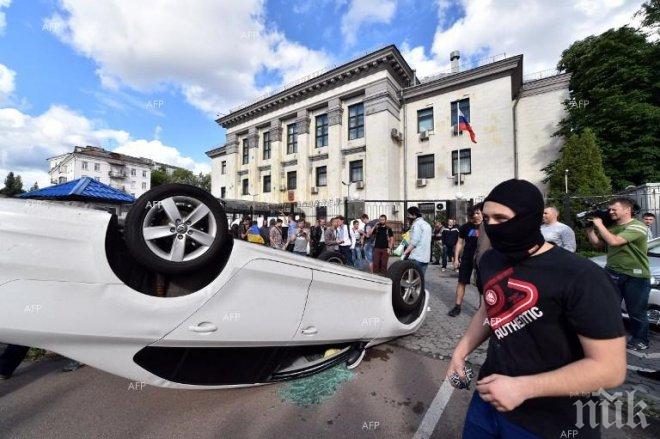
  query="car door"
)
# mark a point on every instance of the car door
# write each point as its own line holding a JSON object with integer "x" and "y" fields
{"x": 240, "y": 334}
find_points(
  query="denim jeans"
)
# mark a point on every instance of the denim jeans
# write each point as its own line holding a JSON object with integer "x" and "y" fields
{"x": 448, "y": 251}
{"x": 422, "y": 265}
{"x": 483, "y": 421}
{"x": 635, "y": 293}
{"x": 345, "y": 250}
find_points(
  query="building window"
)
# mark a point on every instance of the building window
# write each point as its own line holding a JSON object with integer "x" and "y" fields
{"x": 266, "y": 185}
{"x": 246, "y": 151}
{"x": 223, "y": 192}
{"x": 355, "y": 171}
{"x": 291, "y": 180}
{"x": 62, "y": 179}
{"x": 292, "y": 138}
{"x": 97, "y": 167}
{"x": 267, "y": 145}
{"x": 144, "y": 173}
{"x": 133, "y": 172}
{"x": 466, "y": 161}
{"x": 132, "y": 185}
{"x": 223, "y": 167}
{"x": 85, "y": 165}
{"x": 322, "y": 176}
{"x": 246, "y": 187}
{"x": 321, "y": 130}
{"x": 465, "y": 109}
{"x": 425, "y": 166}
{"x": 144, "y": 185}
{"x": 356, "y": 121}
{"x": 425, "y": 120}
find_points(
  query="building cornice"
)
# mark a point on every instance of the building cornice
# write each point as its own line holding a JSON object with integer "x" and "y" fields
{"x": 387, "y": 58}
{"x": 353, "y": 150}
{"x": 508, "y": 66}
{"x": 545, "y": 85}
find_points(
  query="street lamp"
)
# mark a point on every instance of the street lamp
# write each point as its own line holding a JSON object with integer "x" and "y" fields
{"x": 566, "y": 180}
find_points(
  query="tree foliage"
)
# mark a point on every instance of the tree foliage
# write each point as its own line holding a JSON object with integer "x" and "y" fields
{"x": 13, "y": 185}
{"x": 582, "y": 158}
{"x": 184, "y": 176}
{"x": 614, "y": 88}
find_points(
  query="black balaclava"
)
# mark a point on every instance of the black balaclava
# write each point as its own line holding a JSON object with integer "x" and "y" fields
{"x": 515, "y": 237}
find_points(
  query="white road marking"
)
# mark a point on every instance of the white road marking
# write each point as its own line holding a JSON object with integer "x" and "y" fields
{"x": 640, "y": 369}
{"x": 652, "y": 355}
{"x": 434, "y": 412}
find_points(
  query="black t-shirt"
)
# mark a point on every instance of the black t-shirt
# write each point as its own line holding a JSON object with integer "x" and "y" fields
{"x": 450, "y": 236}
{"x": 536, "y": 309}
{"x": 381, "y": 236}
{"x": 470, "y": 233}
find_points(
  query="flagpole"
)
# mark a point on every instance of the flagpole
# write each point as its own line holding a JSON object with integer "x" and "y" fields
{"x": 458, "y": 153}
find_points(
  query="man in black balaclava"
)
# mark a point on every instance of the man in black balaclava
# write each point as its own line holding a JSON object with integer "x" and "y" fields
{"x": 521, "y": 235}
{"x": 553, "y": 323}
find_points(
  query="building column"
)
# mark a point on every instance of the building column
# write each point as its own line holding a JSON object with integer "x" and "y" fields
{"x": 231, "y": 156}
{"x": 335, "y": 142}
{"x": 253, "y": 173}
{"x": 276, "y": 155}
{"x": 302, "y": 167}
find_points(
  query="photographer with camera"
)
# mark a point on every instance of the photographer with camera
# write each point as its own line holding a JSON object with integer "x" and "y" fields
{"x": 627, "y": 264}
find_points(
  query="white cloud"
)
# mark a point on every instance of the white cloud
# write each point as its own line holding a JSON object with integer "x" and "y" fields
{"x": 365, "y": 12}
{"x": 210, "y": 50}
{"x": 3, "y": 20}
{"x": 27, "y": 141}
{"x": 156, "y": 150}
{"x": 7, "y": 82}
{"x": 537, "y": 29}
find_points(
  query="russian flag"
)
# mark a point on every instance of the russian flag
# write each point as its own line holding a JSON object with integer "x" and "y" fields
{"x": 464, "y": 125}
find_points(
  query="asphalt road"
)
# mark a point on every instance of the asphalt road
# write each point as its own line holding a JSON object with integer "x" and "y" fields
{"x": 396, "y": 392}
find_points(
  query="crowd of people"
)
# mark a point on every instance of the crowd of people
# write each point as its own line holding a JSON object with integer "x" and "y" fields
{"x": 363, "y": 243}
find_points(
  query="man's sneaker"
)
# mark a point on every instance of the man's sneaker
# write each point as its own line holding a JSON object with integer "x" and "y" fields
{"x": 71, "y": 366}
{"x": 637, "y": 346}
{"x": 444, "y": 269}
{"x": 456, "y": 310}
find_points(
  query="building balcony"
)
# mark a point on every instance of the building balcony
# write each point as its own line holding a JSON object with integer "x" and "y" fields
{"x": 117, "y": 174}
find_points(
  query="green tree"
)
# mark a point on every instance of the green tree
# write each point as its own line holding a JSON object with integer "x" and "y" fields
{"x": 586, "y": 176}
{"x": 614, "y": 88}
{"x": 158, "y": 177}
{"x": 34, "y": 187}
{"x": 204, "y": 181}
{"x": 650, "y": 14}
{"x": 184, "y": 176}
{"x": 13, "y": 185}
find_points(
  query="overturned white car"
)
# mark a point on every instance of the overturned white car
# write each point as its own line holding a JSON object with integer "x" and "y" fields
{"x": 172, "y": 300}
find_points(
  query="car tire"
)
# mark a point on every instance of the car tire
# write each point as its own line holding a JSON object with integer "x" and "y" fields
{"x": 407, "y": 285}
{"x": 176, "y": 229}
{"x": 333, "y": 257}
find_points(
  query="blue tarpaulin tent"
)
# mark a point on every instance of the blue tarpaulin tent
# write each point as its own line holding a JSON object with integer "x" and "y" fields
{"x": 82, "y": 189}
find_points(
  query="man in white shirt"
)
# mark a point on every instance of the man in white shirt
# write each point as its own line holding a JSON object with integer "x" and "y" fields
{"x": 556, "y": 232}
{"x": 419, "y": 248}
{"x": 648, "y": 218}
{"x": 344, "y": 238}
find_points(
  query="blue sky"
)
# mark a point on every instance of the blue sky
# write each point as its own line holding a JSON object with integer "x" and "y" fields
{"x": 147, "y": 78}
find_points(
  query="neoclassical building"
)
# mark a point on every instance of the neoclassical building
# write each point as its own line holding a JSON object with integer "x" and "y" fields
{"x": 373, "y": 128}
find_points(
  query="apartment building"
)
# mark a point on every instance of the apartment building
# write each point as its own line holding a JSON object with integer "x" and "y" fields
{"x": 129, "y": 174}
{"x": 371, "y": 130}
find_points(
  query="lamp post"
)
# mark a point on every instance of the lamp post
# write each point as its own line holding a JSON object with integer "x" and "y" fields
{"x": 348, "y": 196}
{"x": 566, "y": 181}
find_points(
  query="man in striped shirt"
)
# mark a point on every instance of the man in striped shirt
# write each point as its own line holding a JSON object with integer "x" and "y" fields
{"x": 627, "y": 264}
